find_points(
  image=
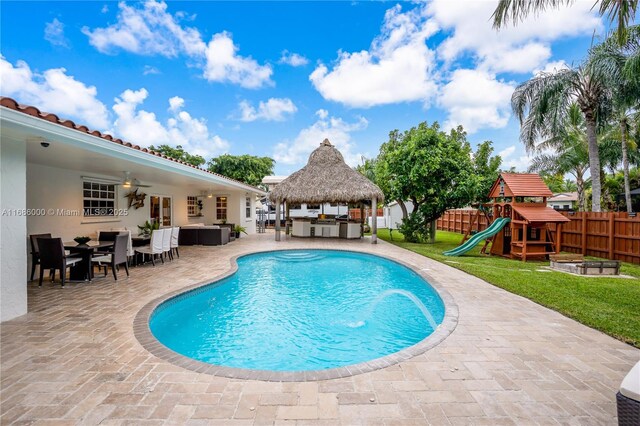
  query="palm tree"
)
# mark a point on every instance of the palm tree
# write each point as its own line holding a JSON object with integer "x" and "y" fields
{"x": 623, "y": 11}
{"x": 571, "y": 153}
{"x": 543, "y": 103}
{"x": 616, "y": 62}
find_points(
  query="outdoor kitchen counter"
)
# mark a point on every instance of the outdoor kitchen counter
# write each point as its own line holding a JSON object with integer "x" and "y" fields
{"x": 327, "y": 229}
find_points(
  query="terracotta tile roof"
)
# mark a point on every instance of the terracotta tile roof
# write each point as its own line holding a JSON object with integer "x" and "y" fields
{"x": 539, "y": 214}
{"x": 35, "y": 112}
{"x": 521, "y": 185}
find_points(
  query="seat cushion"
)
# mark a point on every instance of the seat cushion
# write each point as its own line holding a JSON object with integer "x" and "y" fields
{"x": 105, "y": 258}
{"x": 630, "y": 386}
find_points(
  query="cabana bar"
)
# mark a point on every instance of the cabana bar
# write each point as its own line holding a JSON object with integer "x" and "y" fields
{"x": 326, "y": 179}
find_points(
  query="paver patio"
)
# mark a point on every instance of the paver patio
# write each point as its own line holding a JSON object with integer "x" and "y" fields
{"x": 73, "y": 359}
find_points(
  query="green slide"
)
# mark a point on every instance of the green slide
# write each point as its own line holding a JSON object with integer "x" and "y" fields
{"x": 492, "y": 230}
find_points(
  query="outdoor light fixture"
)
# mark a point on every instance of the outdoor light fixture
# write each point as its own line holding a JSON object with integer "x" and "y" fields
{"x": 127, "y": 180}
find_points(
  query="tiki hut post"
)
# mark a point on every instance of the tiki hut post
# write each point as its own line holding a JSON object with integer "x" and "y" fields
{"x": 278, "y": 202}
{"x": 374, "y": 221}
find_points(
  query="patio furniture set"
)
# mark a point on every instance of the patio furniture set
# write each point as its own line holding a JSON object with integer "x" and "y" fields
{"x": 111, "y": 250}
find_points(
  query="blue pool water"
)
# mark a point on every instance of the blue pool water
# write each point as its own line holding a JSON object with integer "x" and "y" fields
{"x": 301, "y": 310}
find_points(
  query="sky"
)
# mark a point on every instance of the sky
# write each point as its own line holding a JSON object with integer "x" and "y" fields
{"x": 276, "y": 78}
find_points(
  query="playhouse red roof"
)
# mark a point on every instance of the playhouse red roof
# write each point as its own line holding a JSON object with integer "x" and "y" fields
{"x": 539, "y": 214}
{"x": 521, "y": 185}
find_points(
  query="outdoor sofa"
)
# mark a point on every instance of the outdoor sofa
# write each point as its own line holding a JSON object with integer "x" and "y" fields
{"x": 200, "y": 234}
{"x": 628, "y": 398}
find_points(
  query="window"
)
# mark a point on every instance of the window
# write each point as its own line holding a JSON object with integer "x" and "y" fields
{"x": 247, "y": 204}
{"x": 98, "y": 199}
{"x": 192, "y": 206}
{"x": 313, "y": 206}
{"x": 221, "y": 208}
{"x": 160, "y": 210}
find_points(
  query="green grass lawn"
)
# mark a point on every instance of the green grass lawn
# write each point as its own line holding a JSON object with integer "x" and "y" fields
{"x": 611, "y": 305}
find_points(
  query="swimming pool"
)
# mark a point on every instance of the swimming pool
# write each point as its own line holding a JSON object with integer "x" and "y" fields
{"x": 301, "y": 310}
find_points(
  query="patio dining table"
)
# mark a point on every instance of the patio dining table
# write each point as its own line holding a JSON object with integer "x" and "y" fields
{"x": 83, "y": 271}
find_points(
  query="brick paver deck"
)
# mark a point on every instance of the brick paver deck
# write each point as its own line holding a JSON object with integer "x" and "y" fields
{"x": 74, "y": 359}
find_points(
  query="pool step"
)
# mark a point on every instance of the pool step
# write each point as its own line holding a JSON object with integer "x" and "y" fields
{"x": 298, "y": 257}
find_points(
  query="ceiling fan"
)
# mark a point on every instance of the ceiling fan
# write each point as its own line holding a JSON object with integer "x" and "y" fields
{"x": 128, "y": 182}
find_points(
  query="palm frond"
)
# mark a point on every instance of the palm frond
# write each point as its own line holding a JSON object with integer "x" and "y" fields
{"x": 515, "y": 11}
{"x": 622, "y": 11}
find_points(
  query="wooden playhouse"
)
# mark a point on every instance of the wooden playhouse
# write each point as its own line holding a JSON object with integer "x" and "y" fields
{"x": 522, "y": 197}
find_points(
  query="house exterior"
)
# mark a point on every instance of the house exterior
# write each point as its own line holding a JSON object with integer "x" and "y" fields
{"x": 563, "y": 201}
{"x": 65, "y": 179}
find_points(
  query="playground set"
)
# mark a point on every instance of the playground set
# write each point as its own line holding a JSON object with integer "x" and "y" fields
{"x": 518, "y": 220}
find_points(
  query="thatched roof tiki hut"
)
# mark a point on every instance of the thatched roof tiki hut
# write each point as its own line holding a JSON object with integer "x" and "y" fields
{"x": 326, "y": 179}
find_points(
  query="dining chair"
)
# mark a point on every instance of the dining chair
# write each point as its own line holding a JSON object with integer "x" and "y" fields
{"x": 35, "y": 252}
{"x": 166, "y": 243}
{"x": 155, "y": 246}
{"x": 116, "y": 258}
{"x": 175, "y": 234}
{"x": 52, "y": 256}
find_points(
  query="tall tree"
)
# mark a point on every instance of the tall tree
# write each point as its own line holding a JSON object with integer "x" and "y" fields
{"x": 486, "y": 168}
{"x": 566, "y": 152}
{"x": 179, "y": 154}
{"x": 614, "y": 60}
{"x": 245, "y": 168}
{"x": 432, "y": 170}
{"x": 543, "y": 103}
{"x": 622, "y": 11}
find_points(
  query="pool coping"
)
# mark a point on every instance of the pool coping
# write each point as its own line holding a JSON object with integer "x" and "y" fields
{"x": 143, "y": 333}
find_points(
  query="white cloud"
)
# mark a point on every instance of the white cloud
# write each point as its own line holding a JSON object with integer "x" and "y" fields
{"x": 53, "y": 91}
{"x": 475, "y": 99}
{"x": 335, "y": 129}
{"x": 104, "y": 9}
{"x": 397, "y": 68}
{"x": 144, "y": 128}
{"x": 54, "y": 33}
{"x": 293, "y": 59}
{"x": 522, "y": 48}
{"x": 275, "y": 109}
{"x": 175, "y": 103}
{"x": 151, "y": 30}
{"x": 225, "y": 65}
{"x": 552, "y": 67}
{"x": 148, "y": 69}
{"x": 520, "y": 161}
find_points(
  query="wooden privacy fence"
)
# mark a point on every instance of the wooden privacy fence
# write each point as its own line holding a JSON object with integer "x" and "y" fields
{"x": 355, "y": 213}
{"x": 610, "y": 235}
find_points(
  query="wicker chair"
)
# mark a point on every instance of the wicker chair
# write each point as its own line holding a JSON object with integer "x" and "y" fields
{"x": 52, "y": 256}
{"x": 35, "y": 251}
{"x": 116, "y": 258}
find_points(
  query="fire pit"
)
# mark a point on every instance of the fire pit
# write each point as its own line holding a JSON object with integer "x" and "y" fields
{"x": 575, "y": 264}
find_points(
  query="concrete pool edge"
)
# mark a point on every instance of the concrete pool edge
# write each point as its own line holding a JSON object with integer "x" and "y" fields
{"x": 142, "y": 332}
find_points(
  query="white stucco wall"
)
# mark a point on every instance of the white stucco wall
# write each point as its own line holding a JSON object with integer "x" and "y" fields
{"x": 13, "y": 230}
{"x": 393, "y": 214}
